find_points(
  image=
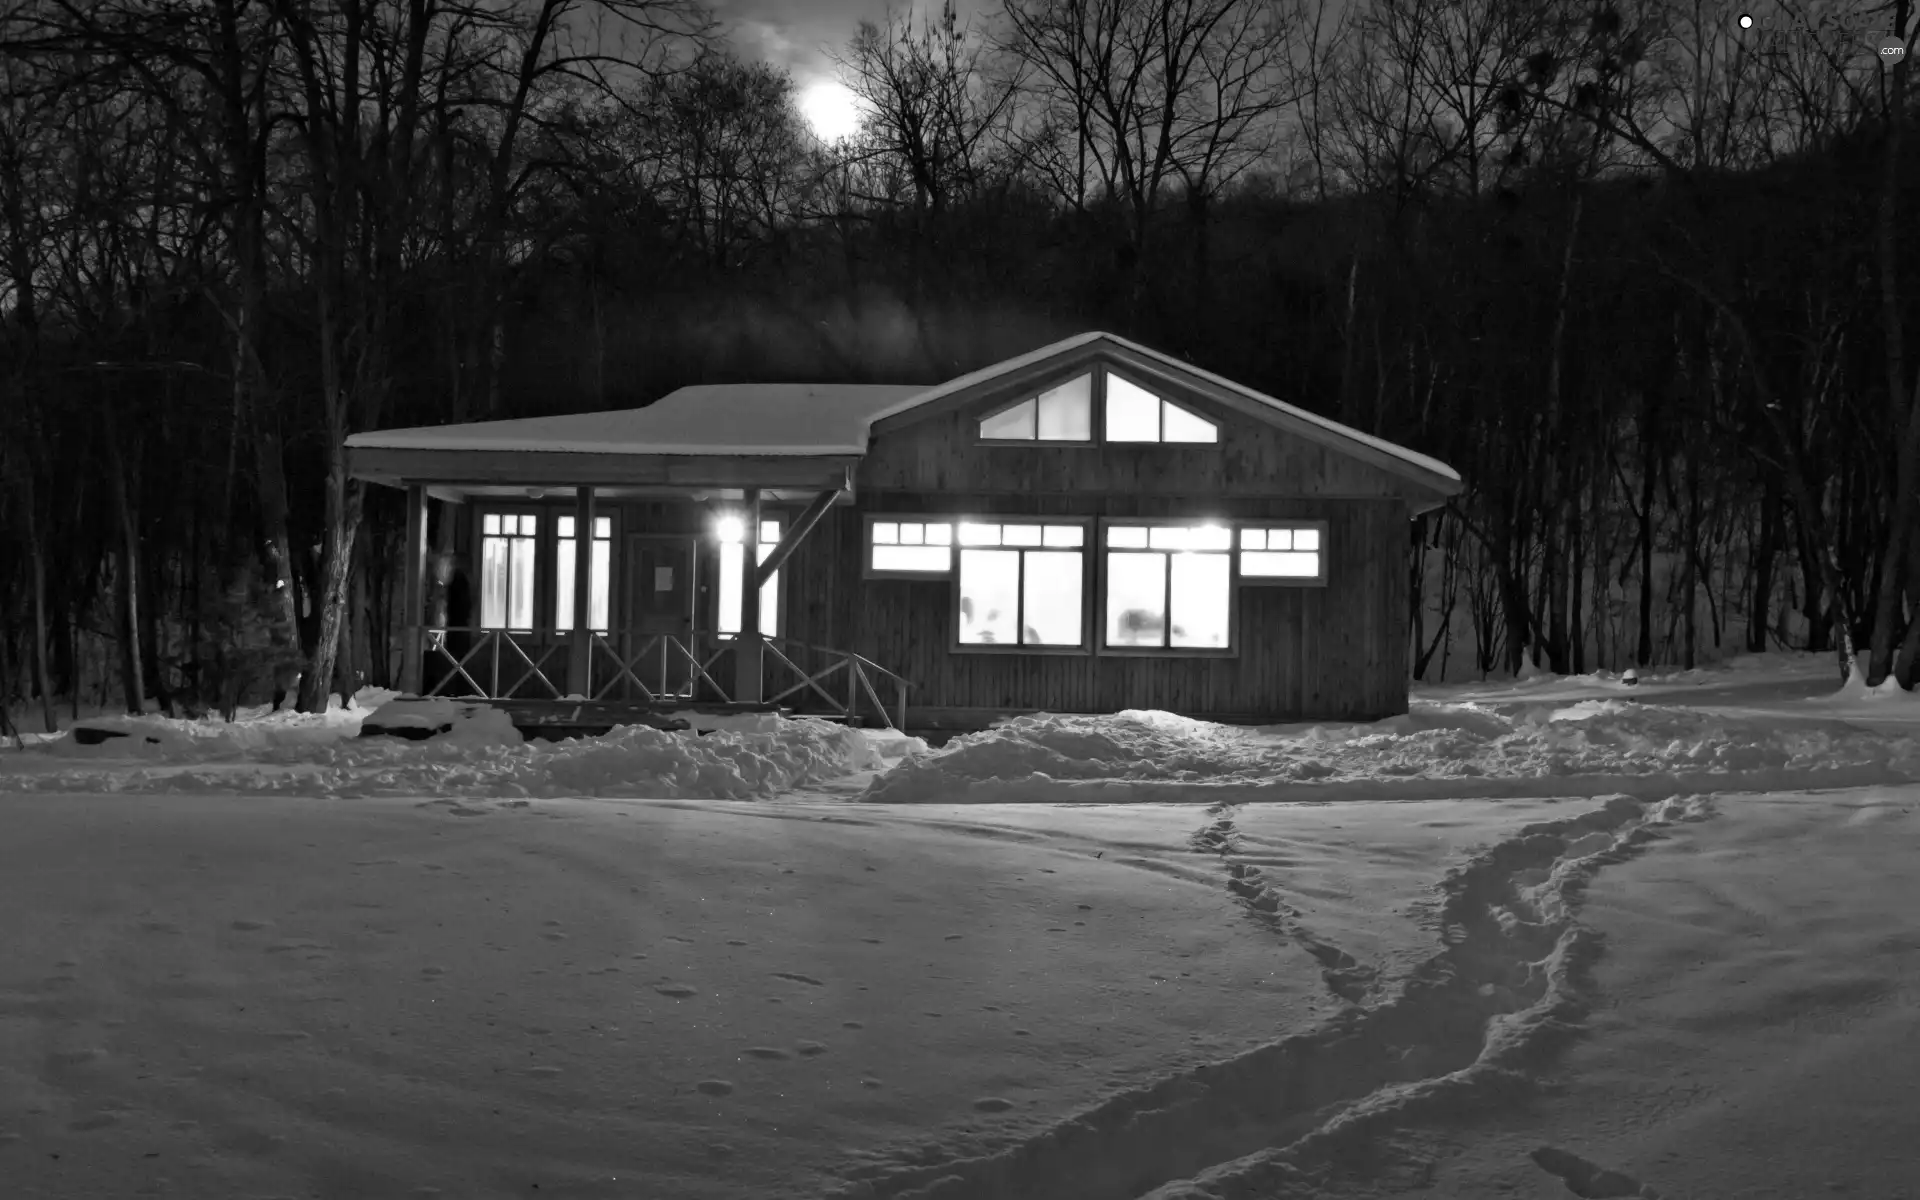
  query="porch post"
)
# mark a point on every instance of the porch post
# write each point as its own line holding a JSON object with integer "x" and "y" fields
{"x": 583, "y": 517}
{"x": 413, "y": 602}
{"x": 750, "y": 651}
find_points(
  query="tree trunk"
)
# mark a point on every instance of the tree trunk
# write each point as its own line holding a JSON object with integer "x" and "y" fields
{"x": 1766, "y": 549}
{"x": 127, "y": 572}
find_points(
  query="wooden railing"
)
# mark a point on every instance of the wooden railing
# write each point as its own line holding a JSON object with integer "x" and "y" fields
{"x": 657, "y": 668}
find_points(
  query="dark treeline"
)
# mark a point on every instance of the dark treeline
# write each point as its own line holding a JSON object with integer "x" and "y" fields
{"x": 1644, "y": 278}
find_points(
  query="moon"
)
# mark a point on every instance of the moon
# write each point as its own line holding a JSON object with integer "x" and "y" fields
{"x": 830, "y": 109}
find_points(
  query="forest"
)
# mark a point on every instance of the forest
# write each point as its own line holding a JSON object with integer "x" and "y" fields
{"x": 1644, "y": 276}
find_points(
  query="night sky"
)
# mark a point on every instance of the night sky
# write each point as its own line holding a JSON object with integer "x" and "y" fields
{"x": 802, "y": 35}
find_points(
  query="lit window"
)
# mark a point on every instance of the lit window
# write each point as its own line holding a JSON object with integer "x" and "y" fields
{"x": 1282, "y": 553}
{"x": 506, "y": 570}
{"x": 600, "y": 568}
{"x": 1137, "y": 415}
{"x": 1021, "y": 584}
{"x": 1169, "y": 587}
{"x": 1059, "y": 414}
{"x": 910, "y": 547}
{"x": 733, "y": 557}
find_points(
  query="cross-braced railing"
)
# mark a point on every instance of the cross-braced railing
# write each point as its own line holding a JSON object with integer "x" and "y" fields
{"x": 653, "y": 668}
{"x": 481, "y": 654}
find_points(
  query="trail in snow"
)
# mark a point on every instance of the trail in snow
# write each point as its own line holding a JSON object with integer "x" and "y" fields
{"x": 1462, "y": 1031}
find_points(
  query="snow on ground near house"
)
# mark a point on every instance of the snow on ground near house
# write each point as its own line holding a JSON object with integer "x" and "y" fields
{"x": 226, "y": 995}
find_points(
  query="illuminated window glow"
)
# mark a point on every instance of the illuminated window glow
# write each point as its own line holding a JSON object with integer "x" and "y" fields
{"x": 1282, "y": 552}
{"x": 733, "y": 557}
{"x": 507, "y": 545}
{"x": 601, "y": 569}
{"x": 1169, "y": 587}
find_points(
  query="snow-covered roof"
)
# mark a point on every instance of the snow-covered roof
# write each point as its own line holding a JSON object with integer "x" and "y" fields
{"x": 802, "y": 419}
{"x": 986, "y": 375}
{"x": 715, "y": 419}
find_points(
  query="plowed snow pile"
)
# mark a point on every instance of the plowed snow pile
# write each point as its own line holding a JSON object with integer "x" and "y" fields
{"x": 480, "y": 757}
{"x": 1138, "y": 756}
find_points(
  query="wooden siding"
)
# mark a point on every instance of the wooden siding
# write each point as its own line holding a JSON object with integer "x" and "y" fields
{"x": 1332, "y": 652}
{"x": 943, "y": 453}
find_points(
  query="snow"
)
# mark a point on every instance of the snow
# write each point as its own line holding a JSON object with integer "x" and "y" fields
{"x": 1532, "y": 937}
{"x": 737, "y": 418}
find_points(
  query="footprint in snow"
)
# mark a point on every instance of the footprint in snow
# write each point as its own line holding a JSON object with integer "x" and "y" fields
{"x": 554, "y": 935}
{"x": 433, "y": 971}
{"x": 871, "y": 1083}
{"x": 798, "y": 978}
{"x": 851, "y": 1025}
{"x": 159, "y": 927}
{"x": 953, "y": 937}
{"x": 735, "y": 942}
{"x": 810, "y": 1049}
{"x": 714, "y": 1087}
{"x": 69, "y": 1059}
{"x": 674, "y": 937}
{"x": 1589, "y": 1180}
{"x": 679, "y": 991}
{"x": 544, "y": 1072}
{"x": 767, "y": 1052}
{"x": 871, "y": 941}
{"x": 92, "y": 1122}
{"x": 992, "y": 1104}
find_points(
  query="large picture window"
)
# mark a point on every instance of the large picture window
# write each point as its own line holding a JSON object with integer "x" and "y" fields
{"x": 600, "y": 569}
{"x": 733, "y": 577}
{"x": 1284, "y": 553}
{"x": 1169, "y": 587}
{"x": 508, "y": 543}
{"x": 1021, "y": 584}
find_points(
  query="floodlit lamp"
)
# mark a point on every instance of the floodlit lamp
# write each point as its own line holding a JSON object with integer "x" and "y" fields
{"x": 732, "y": 530}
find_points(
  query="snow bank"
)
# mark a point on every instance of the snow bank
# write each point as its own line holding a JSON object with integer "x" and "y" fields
{"x": 481, "y": 756}
{"x": 1158, "y": 756}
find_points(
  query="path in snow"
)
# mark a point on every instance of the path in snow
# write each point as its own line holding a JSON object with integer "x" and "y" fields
{"x": 1756, "y": 1029}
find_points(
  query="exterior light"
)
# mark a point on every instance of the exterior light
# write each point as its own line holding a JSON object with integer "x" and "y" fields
{"x": 732, "y": 530}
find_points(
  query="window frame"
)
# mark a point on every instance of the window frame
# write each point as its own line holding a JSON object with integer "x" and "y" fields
{"x": 1097, "y": 424}
{"x": 542, "y": 566}
{"x": 868, "y": 520}
{"x": 613, "y": 566}
{"x": 1088, "y": 638}
{"x": 1270, "y": 523}
{"x": 1230, "y": 650}
{"x": 1096, "y": 400}
{"x": 779, "y": 585}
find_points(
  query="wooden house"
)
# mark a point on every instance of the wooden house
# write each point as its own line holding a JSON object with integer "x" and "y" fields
{"x": 1089, "y": 527}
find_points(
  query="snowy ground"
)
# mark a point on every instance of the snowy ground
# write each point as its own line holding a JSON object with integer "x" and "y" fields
{"x": 1071, "y": 957}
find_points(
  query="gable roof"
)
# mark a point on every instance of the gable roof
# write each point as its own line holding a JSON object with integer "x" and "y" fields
{"x": 1330, "y": 431}
{"x": 798, "y": 419}
{"x": 801, "y": 420}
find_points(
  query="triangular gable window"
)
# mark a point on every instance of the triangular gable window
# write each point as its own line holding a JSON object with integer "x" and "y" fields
{"x": 1059, "y": 414}
{"x": 1136, "y": 415}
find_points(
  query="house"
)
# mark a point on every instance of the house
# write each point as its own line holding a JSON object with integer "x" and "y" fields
{"x": 1089, "y": 527}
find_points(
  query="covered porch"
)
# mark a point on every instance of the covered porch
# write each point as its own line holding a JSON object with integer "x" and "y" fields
{"x": 594, "y": 577}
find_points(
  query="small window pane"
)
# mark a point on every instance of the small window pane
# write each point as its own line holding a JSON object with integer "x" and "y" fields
{"x": 1066, "y": 412}
{"x": 520, "y": 583}
{"x": 886, "y": 533}
{"x": 913, "y": 535}
{"x": 1183, "y": 426}
{"x": 1052, "y": 594}
{"x": 1127, "y": 537}
{"x": 1136, "y": 600}
{"x": 599, "y": 601}
{"x": 913, "y": 558}
{"x": 979, "y": 535}
{"x": 769, "y": 531}
{"x": 939, "y": 535}
{"x": 563, "y": 583}
{"x": 490, "y": 523}
{"x": 1065, "y": 536}
{"x": 1015, "y": 424}
{"x": 1202, "y": 592}
{"x": 529, "y": 524}
{"x": 493, "y": 581}
{"x": 1133, "y": 414}
{"x": 1280, "y": 539}
{"x": 1285, "y": 564}
{"x": 603, "y": 527}
{"x": 1169, "y": 537}
{"x": 1306, "y": 539}
{"x": 1210, "y": 537}
{"x": 1253, "y": 539}
{"x": 989, "y": 597}
{"x": 566, "y": 527}
{"x": 1020, "y": 535}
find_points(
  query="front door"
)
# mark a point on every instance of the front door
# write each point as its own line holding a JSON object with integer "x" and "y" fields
{"x": 660, "y": 598}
